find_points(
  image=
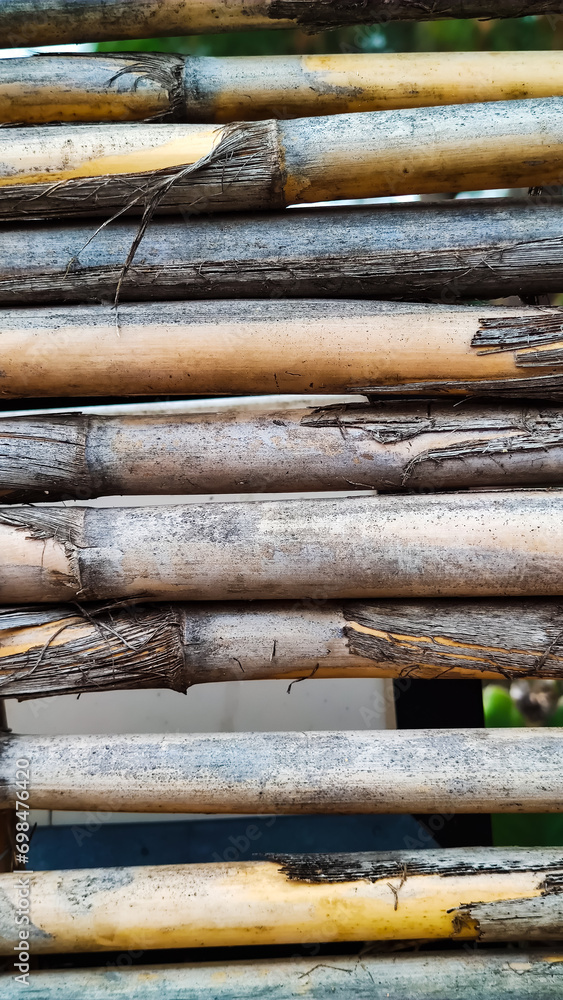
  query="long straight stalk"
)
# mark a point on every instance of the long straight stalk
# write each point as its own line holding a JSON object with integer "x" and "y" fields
{"x": 143, "y": 85}
{"x": 441, "y": 545}
{"x": 22, "y": 22}
{"x": 392, "y": 771}
{"x": 82, "y": 170}
{"x": 74, "y": 649}
{"x": 490, "y": 895}
{"x": 281, "y": 346}
{"x": 462, "y": 974}
{"x": 445, "y": 252}
{"x": 7, "y": 814}
{"x": 387, "y": 446}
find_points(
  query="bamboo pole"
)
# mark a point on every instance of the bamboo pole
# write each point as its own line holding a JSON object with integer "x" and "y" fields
{"x": 473, "y": 544}
{"x": 294, "y": 899}
{"x": 387, "y": 446}
{"x": 392, "y": 771}
{"x": 57, "y": 21}
{"x": 128, "y": 86}
{"x": 458, "y": 975}
{"x": 79, "y": 170}
{"x": 7, "y": 815}
{"x": 248, "y": 347}
{"x": 143, "y": 85}
{"x": 74, "y": 649}
{"x": 446, "y": 251}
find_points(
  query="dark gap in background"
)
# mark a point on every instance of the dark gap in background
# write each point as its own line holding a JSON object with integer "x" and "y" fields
{"x": 445, "y": 704}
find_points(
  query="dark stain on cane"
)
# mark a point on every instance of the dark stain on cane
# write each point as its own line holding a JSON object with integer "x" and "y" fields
{"x": 321, "y": 15}
{"x": 371, "y": 867}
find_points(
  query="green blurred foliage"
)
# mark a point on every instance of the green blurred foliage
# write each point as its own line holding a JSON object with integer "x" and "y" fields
{"x": 541, "y": 830}
{"x": 500, "y": 710}
{"x": 428, "y": 36}
{"x": 557, "y": 718}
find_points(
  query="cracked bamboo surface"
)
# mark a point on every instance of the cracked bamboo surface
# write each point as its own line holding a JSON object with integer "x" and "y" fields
{"x": 24, "y": 24}
{"x": 74, "y": 649}
{"x": 446, "y": 252}
{"x": 78, "y": 170}
{"x": 388, "y": 445}
{"x": 142, "y": 85}
{"x": 456, "y": 544}
{"x": 459, "y": 975}
{"x": 225, "y": 347}
{"x": 485, "y": 894}
{"x": 418, "y": 771}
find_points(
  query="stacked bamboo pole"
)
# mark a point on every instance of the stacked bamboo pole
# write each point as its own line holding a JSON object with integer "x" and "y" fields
{"x": 145, "y": 85}
{"x": 464, "y": 895}
{"x": 446, "y": 252}
{"x": 386, "y": 446}
{"x": 461, "y": 975}
{"x": 456, "y": 544}
{"x": 422, "y": 771}
{"x": 220, "y": 348}
{"x": 74, "y": 649}
{"x": 79, "y": 170}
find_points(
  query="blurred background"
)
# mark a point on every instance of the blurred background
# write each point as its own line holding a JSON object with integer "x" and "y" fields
{"x": 436, "y": 36}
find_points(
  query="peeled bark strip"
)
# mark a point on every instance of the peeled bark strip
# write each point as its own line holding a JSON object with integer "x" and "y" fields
{"x": 447, "y": 251}
{"x": 74, "y": 649}
{"x": 472, "y": 544}
{"x": 81, "y": 170}
{"x": 421, "y": 771}
{"x": 86, "y": 170}
{"x": 386, "y": 446}
{"x": 23, "y": 23}
{"x": 143, "y": 85}
{"x": 282, "y": 346}
{"x": 295, "y": 899}
{"x": 457, "y": 975}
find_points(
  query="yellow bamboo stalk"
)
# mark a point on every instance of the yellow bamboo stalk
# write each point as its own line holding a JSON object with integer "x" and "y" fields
{"x": 490, "y": 895}
{"x": 227, "y": 347}
{"x": 142, "y": 85}
{"x": 22, "y": 22}
{"x": 89, "y": 88}
{"x": 83, "y": 169}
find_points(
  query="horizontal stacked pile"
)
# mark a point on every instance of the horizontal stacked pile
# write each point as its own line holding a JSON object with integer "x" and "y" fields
{"x": 147, "y": 251}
